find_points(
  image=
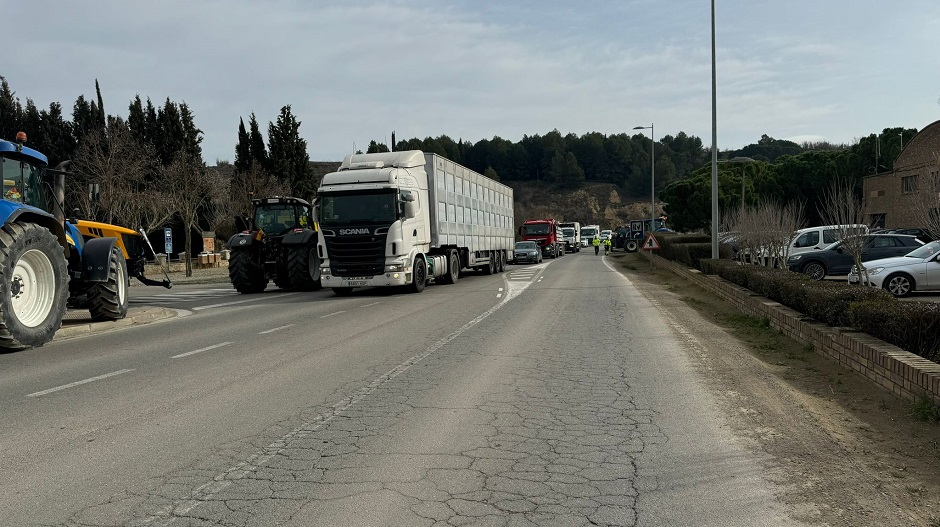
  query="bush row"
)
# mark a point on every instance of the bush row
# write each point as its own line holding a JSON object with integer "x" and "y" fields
{"x": 912, "y": 326}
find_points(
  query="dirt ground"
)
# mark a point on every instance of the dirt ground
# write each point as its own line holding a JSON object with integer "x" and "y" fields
{"x": 846, "y": 452}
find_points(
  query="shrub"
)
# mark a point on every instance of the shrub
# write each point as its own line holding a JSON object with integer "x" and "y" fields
{"x": 913, "y": 326}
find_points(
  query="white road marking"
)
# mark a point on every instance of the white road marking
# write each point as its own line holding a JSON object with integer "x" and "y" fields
{"x": 200, "y": 350}
{"x": 500, "y": 289}
{"x": 224, "y": 304}
{"x": 331, "y": 314}
{"x": 265, "y": 332}
{"x": 253, "y": 463}
{"x": 499, "y": 295}
{"x": 78, "y": 383}
{"x": 372, "y": 304}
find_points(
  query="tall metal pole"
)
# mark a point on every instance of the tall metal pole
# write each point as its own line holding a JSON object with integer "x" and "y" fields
{"x": 652, "y": 179}
{"x": 714, "y": 147}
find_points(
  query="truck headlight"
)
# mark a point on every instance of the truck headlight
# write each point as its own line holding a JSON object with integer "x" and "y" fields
{"x": 324, "y": 271}
{"x": 395, "y": 268}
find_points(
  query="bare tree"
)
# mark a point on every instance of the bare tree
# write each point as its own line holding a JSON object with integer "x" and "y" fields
{"x": 842, "y": 208}
{"x": 114, "y": 180}
{"x": 765, "y": 230}
{"x": 190, "y": 188}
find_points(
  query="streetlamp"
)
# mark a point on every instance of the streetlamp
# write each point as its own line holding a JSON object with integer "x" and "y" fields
{"x": 652, "y": 174}
{"x": 714, "y": 148}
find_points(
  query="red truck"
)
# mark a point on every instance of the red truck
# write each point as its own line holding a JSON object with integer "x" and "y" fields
{"x": 547, "y": 234}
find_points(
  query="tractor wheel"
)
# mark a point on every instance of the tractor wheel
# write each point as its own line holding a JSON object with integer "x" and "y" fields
{"x": 108, "y": 300}
{"x": 303, "y": 268}
{"x": 453, "y": 268}
{"x": 33, "y": 285}
{"x": 246, "y": 276}
{"x": 419, "y": 275}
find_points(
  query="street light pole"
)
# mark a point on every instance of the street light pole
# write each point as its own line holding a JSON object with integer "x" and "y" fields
{"x": 652, "y": 173}
{"x": 714, "y": 147}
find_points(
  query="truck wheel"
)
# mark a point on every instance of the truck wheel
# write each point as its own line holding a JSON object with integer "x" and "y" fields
{"x": 500, "y": 262}
{"x": 108, "y": 300}
{"x": 303, "y": 268}
{"x": 33, "y": 285}
{"x": 244, "y": 274}
{"x": 342, "y": 291}
{"x": 453, "y": 268}
{"x": 490, "y": 267}
{"x": 419, "y": 274}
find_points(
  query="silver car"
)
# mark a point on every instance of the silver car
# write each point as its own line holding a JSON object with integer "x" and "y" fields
{"x": 918, "y": 270}
{"x": 526, "y": 252}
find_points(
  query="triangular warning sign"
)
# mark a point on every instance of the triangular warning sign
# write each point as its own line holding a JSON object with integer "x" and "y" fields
{"x": 650, "y": 243}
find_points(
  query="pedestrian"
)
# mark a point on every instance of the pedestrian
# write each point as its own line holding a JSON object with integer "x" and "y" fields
{"x": 606, "y": 246}
{"x": 597, "y": 245}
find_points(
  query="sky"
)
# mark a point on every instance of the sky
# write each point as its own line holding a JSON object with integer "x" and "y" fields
{"x": 356, "y": 70}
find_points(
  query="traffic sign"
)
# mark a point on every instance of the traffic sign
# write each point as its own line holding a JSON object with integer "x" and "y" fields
{"x": 636, "y": 229}
{"x": 168, "y": 240}
{"x": 650, "y": 243}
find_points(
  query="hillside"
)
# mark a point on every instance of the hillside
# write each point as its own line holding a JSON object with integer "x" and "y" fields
{"x": 594, "y": 203}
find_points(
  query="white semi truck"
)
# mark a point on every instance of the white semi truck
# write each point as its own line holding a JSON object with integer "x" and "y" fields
{"x": 588, "y": 233}
{"x": 572, "y": 233}
{"x": 402, "y": 218}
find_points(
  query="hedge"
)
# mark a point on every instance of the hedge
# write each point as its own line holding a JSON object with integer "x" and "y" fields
{"x": 912, "y": 326}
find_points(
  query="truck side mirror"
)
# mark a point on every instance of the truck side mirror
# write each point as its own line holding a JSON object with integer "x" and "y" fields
{"x": 519, "y": 230}
{"x": 411, "y": 209}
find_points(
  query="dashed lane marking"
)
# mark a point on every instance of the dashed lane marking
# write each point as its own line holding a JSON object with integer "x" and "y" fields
{"x": 78, "y": 383}
{"x": 200, "y": 350}
{"x": 272, "y": 330}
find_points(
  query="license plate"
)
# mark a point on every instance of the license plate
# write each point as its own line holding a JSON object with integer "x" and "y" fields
{"x": 356, "y": 283}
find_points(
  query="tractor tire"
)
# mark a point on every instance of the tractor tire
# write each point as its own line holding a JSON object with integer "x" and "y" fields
{"x": 33, "y": 285}
{"x": 303, "y": 268}
{"x": 453, "y": 268}
{"x": 108, "y": 300}
{"x": 244, "y": 274}
{"x": 419, "y": 276}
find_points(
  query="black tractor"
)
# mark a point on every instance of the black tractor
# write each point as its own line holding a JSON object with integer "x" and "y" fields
{"x": 278, "y": 242}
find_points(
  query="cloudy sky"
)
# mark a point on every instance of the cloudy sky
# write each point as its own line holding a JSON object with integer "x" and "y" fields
{"x": 355, "y": 70}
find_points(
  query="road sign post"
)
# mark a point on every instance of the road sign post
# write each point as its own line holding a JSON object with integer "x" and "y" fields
{"x": 650, "y": 244}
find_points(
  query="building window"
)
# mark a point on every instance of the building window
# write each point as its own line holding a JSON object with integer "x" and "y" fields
{"x": 909, "y": 184}
{"x": 876, "y": 221}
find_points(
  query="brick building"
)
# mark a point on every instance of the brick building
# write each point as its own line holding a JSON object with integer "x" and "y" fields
{"x": 893, "y": 198}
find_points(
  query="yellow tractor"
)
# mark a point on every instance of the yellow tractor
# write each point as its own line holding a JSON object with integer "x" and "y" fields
{"x": 132, "y": 243}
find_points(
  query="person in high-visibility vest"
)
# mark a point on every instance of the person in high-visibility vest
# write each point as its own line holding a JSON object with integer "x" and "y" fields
{"x": 597, "y": 245}
{"x": 607, "y": 246}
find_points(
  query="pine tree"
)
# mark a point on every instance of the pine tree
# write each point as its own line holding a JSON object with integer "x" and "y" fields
{"x": 192, "y": 136}
{"x": 242, "y": 149}
{"x": 259, "y": 154}
{"x": 101, "y": 115}
{"x": 57, "y": 134}
{"x": 137, "y": 121}
{"x": 288, "y": 154}
{"x": 10, "y": 111}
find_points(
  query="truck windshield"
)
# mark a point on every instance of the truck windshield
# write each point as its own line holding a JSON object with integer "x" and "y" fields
{"x": 22, "y": 182}
{"x": 375, "y": 207}
{"x": 536, "y": 229}
{"x": 568, "y": 232}
{"x": 588, "y": 232}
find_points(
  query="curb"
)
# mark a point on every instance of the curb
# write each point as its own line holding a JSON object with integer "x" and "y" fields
{"x": 135, "y": 317}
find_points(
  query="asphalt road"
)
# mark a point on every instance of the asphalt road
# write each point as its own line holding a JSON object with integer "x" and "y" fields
{"x": 552, "y": 394}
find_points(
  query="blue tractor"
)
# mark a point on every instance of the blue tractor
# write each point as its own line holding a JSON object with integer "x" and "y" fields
{"x": 44, "y": 261}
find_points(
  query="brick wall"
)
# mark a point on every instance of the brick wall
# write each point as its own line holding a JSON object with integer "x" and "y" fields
{"x": 890, "y": 367}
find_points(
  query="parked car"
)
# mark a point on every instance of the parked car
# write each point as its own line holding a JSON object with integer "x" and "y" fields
{"x": 526, "y": 252}
{"x": 835, "y": 260}
{"x": 918, "y": 270}
{"x": 923, "y": 235}
{"x": 606, "y": 234}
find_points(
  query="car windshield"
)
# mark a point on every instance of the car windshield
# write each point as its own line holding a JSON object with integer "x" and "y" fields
{"x": 526, "y": 245}
{"x": 924, "y": 251}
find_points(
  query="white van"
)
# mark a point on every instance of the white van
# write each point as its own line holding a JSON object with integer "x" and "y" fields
{"x": 816, "y": 238}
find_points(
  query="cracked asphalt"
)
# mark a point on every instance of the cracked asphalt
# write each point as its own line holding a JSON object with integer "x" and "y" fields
{"x": 550, "y": 395}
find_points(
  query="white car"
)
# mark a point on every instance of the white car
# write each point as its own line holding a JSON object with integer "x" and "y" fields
{"x": 918, "y": 270}
{"x": 606, "y": 234}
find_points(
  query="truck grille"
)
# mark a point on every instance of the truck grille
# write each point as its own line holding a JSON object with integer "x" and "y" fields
{"x": 356, "y": 255}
